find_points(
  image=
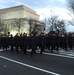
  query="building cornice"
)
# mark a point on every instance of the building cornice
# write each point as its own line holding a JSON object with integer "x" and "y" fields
{"x": 19, "y": 7}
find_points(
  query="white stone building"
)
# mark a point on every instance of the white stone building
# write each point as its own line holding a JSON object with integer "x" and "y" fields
{"x": 10, "y": 15}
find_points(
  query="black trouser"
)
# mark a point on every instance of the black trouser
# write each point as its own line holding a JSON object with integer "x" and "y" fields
{"x": 16, "y": 49}
{"x": 11, "y": 48}
{"x": 42, "y": 49}
{"x": 24, "y": 49}
{"x": 32, "y": 51}
{"x": 71, "y": 46}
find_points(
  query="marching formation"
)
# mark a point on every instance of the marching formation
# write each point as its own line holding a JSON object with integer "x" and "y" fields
{"x": 33, "y": 41}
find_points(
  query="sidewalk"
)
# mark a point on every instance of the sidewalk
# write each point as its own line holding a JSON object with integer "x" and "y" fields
{"x": 62, "y": 52}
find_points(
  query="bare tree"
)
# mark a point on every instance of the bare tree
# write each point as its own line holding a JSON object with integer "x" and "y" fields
{"x": 71, "y": 5}
{"x": 33, "y": 26}
{"x": 18, "y": 23}
{"x": 56, "y": 25}
{"x": 52, "y": 22}
{"x": 2, "y": 26}
{"x": 71, "y": 11}
{"x": 61, "y": 26}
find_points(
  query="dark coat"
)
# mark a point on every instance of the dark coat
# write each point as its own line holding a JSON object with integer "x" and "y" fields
{"x": 33, "y": 42}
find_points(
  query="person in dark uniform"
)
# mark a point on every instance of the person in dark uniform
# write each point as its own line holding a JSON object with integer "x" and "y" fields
{"x": 3, "y": 41}
{"x": 33, "y": 43}
{"x": 21, "y": 41}
{"x": 70, "y": 41}
{"x": 6, "y": 42}
{"x": 25, "y": 43}
{"x": 61, "y": 40}
{"x": 39, "y": 41}
{"x": 12, "y": 42}
{"x": 17, "y": 43}
{"x": 0, "y": 41}
{"x": 49, "y": 41}
{"x": 29, "y": 43}
{"x": 46, "y": 45}
{"x": 53, "y": 42}
{"x": 65, "y": 41}
{"x": 42, "y": 42}
{"x": 57, "y": 41}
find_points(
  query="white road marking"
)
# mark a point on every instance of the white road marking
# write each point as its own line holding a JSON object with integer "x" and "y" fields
{"x": 66, "y": 55}
{"x": 58, "y": 55}
{"x": 70, "y": 54}
{"x": 27, "y": 65}
{"x": 1, "y": 50}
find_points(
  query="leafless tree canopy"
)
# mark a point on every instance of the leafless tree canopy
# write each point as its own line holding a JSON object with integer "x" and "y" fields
{"x": 3, "y": 28}
{"x": 55, "y": 24}
{"x": 33, "y": 26}
{"x": 18, "y": 23}
{"x": 71, "y": 5}
{"x": 71, "y": 11}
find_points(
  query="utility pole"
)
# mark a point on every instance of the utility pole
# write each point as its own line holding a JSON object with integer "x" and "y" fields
{"x": 45, "y": 20}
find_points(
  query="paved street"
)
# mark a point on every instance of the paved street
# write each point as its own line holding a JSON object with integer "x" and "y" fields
{"x": 57, "y": 63}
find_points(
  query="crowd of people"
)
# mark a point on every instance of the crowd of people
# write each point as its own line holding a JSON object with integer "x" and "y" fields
{"x": 33, "y": 41}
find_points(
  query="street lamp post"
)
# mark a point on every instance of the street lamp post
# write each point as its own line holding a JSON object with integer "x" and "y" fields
{"x": 58, "y": 30}
{"x": 45, "y": 21}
